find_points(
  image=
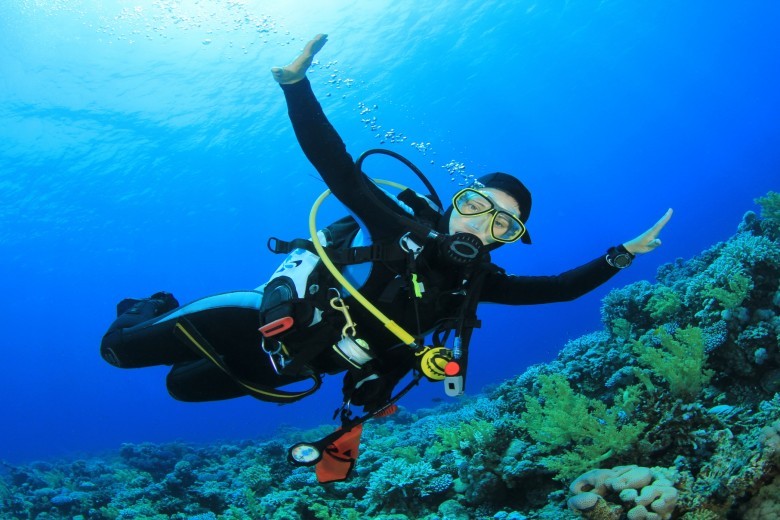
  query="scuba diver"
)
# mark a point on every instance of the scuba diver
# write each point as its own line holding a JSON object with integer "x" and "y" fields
{"x": 360, "y": 297}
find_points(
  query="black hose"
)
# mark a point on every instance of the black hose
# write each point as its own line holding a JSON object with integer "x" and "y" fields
{"x": 409, "y": 164}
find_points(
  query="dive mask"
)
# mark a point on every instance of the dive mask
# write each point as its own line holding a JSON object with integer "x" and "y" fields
{"x": 504, "y": 226}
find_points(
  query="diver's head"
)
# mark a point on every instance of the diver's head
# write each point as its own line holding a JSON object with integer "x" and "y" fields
{"x": 494, "y": 209}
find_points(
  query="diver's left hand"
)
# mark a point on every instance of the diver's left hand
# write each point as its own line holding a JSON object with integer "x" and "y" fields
{"x": 648, "y": 240}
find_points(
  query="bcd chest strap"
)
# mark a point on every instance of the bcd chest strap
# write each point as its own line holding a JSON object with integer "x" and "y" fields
{"x": 379, "y": 252}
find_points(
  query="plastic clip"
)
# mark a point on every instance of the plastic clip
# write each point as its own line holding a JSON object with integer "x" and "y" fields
{"x": 276, "y": 327}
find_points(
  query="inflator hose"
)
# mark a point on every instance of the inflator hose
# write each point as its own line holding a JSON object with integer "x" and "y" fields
{"x": 392, "y": 326}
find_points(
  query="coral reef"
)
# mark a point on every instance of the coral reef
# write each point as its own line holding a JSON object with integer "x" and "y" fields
{"x": 671, "y": 411}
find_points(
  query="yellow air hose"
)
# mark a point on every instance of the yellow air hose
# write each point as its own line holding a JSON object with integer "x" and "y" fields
{"x": 392, "y": 326}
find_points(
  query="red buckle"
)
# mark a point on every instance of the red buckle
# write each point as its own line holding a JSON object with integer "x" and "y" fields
{"x": 276, "y": 327}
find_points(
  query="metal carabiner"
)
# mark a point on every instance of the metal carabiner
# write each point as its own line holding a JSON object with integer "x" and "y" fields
{"x": 350, "y": 329}
{"x": 268, "y": 351}
{"x": 278, "y": 361}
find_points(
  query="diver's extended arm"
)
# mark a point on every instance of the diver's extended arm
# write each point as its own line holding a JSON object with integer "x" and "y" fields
{"x": 522, "y": 290}
{"x": 325, "y": 149}
{"x": 528, "y": 290}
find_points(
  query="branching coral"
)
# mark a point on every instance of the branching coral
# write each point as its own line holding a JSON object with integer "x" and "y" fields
{"x": 582, "y": 431}
{"x": 257, "y": 477}
{"x": 397, "y": 481}
{"x": 770, "y": 206}
{"x": 733, "y": 293}
{"x": 663, "y": 304}
{"x": 465, "y": 437}
{"x": 627, "y": 303}
{"x": 679, "y": 360}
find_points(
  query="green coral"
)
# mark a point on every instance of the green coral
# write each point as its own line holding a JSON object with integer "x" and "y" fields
{"x": 583, "y": 431}
{"x": 770, "y": 214}
{"x": 663, "y": 304}
{"x": 679, "y": 360}
{"x": 770, "y": 206}
{"x": 324, "y": 512}
{"x": 738, "y": 287}
{"x": 257, "y": 477}
{"x": 629, "y": 399}
{"x": 467, "y": 436}
{"x": 700, "y": 514}
{"x": 408, "y": 453}
{"x": 622, "y": 329}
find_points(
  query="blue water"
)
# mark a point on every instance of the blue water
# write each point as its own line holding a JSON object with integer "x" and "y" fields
{"x": 144, "y": 146}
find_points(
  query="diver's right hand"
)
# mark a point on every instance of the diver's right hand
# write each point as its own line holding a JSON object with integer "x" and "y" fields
{"x": 648, "y": 240}
{"x": 296, "y": 71}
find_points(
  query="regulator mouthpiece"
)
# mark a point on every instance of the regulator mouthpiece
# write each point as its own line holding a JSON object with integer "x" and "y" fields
{"x": 461, "y": 248}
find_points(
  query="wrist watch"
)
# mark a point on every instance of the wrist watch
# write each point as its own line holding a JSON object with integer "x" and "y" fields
{"x": 619, "y": 257}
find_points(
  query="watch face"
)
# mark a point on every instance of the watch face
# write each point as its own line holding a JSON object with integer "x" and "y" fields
{"x": 622, "y": 260}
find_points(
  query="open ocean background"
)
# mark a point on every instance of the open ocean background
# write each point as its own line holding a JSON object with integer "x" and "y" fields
{"x": 144, "y": 146}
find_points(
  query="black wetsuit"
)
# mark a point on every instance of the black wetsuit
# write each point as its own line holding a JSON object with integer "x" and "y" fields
{"x": 230, "y": 321}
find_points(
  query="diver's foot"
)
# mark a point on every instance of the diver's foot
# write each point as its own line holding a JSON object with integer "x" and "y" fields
{"x": 159, "y": 303}
{"x": 125, "y": 305}
{"x": 165, "y": 301}
{"x": 296, "y": 71}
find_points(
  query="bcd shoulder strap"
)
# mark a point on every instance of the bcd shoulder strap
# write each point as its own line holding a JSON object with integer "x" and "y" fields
{"x": 339, "y": 236}
{"x": 422, "y": 207}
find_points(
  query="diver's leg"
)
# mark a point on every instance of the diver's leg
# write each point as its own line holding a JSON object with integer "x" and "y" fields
{"x": 227, "y": 320}
{"x": 137, "y": 339}
{"x": 201, "y": 380}
{"x": 147, "y": 344}
{"x": 131, "y": 311}
{"x": 234, "y": 334}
